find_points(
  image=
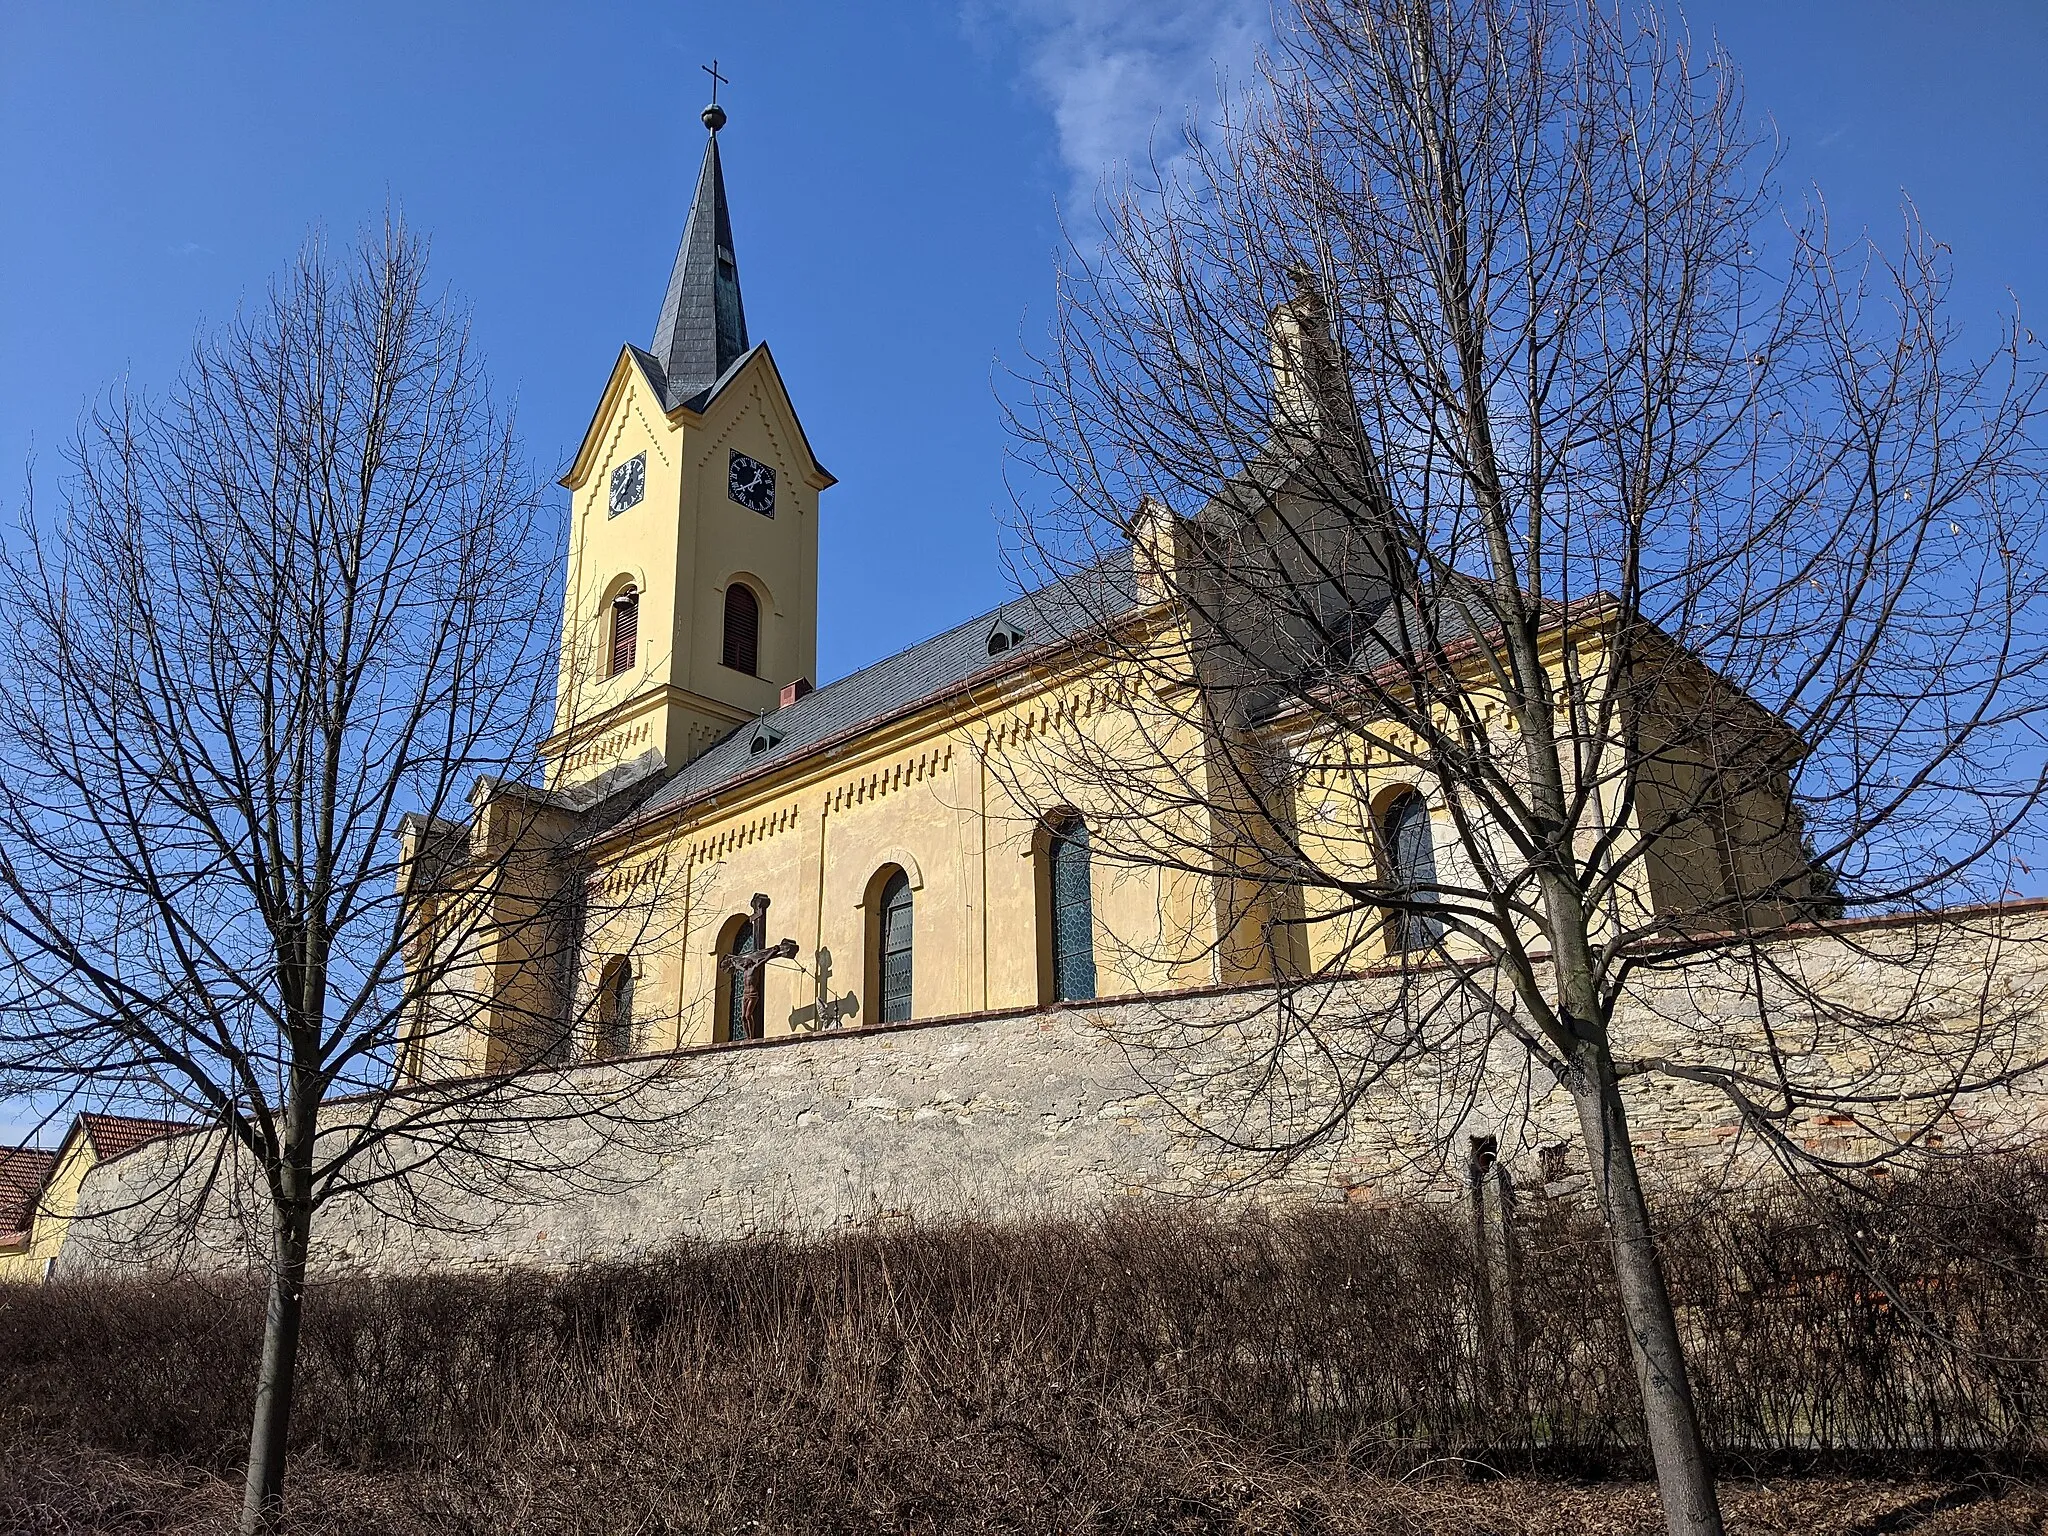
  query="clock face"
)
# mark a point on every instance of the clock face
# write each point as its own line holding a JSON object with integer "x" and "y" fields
{"x": 629, "y": 483}
{"x": 752, "y": 485}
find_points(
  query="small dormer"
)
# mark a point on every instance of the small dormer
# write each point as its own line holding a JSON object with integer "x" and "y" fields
{"x": 1004, "y": 637}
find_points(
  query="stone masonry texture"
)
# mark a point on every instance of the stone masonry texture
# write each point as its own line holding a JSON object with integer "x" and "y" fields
{"x": 1362, "y": 1090}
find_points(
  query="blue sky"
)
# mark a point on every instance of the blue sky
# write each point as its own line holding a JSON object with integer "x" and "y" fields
{"x": 895, "y": 174}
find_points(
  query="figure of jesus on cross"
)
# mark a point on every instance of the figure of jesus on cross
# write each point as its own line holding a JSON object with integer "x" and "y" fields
{"x": 748, "y": 960}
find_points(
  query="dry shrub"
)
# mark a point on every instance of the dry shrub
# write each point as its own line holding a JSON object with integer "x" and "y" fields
{"x": 1157, "y": 1367}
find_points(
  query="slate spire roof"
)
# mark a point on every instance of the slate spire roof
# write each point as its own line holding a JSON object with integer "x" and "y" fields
{"x": 703, "y": 328}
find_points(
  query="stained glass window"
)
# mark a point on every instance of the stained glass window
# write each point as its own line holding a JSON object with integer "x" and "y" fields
{"x": 894, "y": 916}
{"x": 1411, "y": 859}
{"x": 736, "y": 986}
{"x": 1073, "y": 913}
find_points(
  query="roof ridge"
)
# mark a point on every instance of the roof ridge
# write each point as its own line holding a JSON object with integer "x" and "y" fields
{"x": 938, "y": 634}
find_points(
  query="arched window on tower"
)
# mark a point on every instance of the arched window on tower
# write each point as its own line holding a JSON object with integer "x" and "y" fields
{"x": 732, "y": 987}
{"x": 1071, "y": 907}
{"x": 742, "y": 629}
{"x": 615, "y": 1008}
{"x": 893, "y": 946}
{"x": 625, "y": 627}
{"x": 1410, "y": 854}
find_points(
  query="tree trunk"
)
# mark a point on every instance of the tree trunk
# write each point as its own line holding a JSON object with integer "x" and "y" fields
{"x": 263, "y": 1492}
{"x": 1685, "y": 1477}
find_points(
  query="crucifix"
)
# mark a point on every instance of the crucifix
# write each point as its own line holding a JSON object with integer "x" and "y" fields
{"x": 713, "y": 116}
{"x": 747, "y": 965}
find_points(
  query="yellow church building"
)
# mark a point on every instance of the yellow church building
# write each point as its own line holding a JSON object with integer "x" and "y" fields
{"x": 911, "y": 868}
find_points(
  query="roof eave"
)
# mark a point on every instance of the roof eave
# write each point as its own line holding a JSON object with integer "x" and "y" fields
{"x": 586, "y": 449}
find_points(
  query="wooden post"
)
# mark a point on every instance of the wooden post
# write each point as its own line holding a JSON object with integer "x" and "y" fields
{"x": 1479, "y": 1163}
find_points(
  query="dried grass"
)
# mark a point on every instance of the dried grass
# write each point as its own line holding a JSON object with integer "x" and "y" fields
{"x": 1152, "y": 1369}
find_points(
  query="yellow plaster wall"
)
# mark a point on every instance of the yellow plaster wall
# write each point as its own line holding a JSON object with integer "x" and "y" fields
{"x": 489, "y": 950}
{"x": 1680, "y": 867}
{"x": 1726, "y": 832}
{"x": 956, "y": 800}
{"x": 777, "y": 556}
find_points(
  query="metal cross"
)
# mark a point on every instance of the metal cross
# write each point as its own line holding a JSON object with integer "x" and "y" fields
{"x": 747, "y": 969}
{"x": 717, "y": 79}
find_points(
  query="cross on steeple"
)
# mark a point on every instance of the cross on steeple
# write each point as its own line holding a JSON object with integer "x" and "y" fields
{"x": 747, "y": 966}
{"x": 714, "y": 115}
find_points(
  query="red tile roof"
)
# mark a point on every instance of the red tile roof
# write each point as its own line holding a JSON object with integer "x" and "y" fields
{"x": 112, "y": 1135}
{"x": 22, "y": 1172}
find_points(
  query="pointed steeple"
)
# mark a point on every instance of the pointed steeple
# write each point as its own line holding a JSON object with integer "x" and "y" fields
{"x": 703, "y": 329}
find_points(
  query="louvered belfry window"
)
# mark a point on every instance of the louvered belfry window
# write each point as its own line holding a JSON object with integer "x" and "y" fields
{"x": 625, "y": 631}
{"x": 742, "y": 629}
{"x": 896, "y": 949}
{"x": 1073, "y": 910}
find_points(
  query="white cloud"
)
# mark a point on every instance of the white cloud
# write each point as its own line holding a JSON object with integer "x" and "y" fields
{"x": 1121, "y": 79}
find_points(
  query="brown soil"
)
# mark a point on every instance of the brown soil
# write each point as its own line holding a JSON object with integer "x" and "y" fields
{"x": 48, "y": 1488}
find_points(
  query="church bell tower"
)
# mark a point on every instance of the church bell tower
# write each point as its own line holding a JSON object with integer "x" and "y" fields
{"x": 691, "y": 595}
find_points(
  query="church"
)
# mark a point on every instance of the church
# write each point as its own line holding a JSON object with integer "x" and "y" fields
{"x": 721, "y": 852}
{"x": 875, "y": 950}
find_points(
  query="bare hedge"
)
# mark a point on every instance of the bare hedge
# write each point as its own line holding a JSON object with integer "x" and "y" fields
{"x": 916, "y": 1375}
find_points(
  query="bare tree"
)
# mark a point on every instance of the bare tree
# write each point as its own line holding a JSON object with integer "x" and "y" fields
{"x": 1551, "y": 568}
{"x": 269, "y": 686}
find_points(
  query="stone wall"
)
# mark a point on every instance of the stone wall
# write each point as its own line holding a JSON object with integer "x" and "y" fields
{"x": 1000, "y": 1115}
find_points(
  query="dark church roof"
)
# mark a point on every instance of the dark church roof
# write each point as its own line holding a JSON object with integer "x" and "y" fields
{"x": 702, "y": 333}
{"x": 1032, "y": 624}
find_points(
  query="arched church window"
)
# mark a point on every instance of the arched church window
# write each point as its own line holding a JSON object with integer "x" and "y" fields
{"x": 1410, "y": 855}
{"x": 1069, "y": 877}
{"x": 742, "y": 629}
{"x": 732, "y": 1022}
{"x": 615, "y": 1008}
{"x": 625, "y": 631}
{"x": 893, "y": 949}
